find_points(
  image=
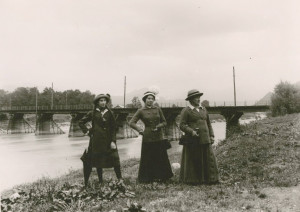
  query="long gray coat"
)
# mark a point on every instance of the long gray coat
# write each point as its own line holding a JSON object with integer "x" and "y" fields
{"x": 198, "y": 162}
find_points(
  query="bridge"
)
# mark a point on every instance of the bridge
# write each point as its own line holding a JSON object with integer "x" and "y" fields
{"x": 13, "y": 118}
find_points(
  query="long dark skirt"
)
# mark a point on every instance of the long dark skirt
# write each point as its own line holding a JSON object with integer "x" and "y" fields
{"x": 198, "y": 165}
{"x": 154, "y": 163}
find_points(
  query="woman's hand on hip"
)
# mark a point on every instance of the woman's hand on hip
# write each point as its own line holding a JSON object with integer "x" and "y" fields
{"x": 113, "y": 145}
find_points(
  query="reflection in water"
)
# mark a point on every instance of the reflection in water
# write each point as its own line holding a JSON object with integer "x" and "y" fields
{"x": 26, "y": 157}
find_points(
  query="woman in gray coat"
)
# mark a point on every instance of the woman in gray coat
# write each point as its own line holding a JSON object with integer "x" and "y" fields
{"x": 198, "y": 162}
{"x": 154, "y": 162}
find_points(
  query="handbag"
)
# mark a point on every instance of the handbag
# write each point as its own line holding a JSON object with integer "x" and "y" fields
{"x": 183, "y": 140}
{"x": 167, "y": 143}
{"x": 165, "y": 140}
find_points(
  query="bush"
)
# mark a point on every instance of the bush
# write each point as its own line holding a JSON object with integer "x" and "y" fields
{"x": 285, "y": 100}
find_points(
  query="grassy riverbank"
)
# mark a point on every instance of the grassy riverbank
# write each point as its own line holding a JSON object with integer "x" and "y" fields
{"x": 259, "y": 168}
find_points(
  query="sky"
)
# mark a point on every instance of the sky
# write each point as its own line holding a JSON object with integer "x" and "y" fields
{"x": 171, "y": 45}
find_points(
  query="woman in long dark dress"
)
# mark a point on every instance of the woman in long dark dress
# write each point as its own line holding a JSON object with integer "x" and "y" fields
{"x": 198, "y": 162}
{"x": 154, "y": 162}
{"x": 102, "y": 147}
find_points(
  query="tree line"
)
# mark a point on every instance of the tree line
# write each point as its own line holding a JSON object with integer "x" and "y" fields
{"x": 27, "y": 96}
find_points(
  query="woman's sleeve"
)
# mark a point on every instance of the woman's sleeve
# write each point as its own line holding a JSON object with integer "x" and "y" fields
{"x": 163, "y": 121}
{"x": 210, "y": 129}
{"x": 86, "y": 118}
{"x": 113, "y": 126}
{"x": 134, "y": 120}
{"x": 183, "y": 122}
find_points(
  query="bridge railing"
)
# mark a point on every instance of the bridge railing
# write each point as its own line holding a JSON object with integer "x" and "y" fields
{"x": 45, "y": 107}
{"x": 215, "y": 103}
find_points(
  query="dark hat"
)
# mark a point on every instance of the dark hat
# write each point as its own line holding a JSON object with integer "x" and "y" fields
{"x": 147, "y": 94}
{"x": 193, "y": 93}
{"x": 96, "y": 99}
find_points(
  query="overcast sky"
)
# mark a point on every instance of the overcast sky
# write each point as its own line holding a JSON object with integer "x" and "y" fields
{"x": 170, "y": 44}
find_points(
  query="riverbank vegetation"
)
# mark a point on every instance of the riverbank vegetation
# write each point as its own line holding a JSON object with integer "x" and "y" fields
{"x": 256, "y": 165}
{"x": 285, "y": 99}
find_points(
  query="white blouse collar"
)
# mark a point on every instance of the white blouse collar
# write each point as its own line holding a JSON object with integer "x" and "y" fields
{"x": 102, "y": 112}
{"x": 192, "y": 107}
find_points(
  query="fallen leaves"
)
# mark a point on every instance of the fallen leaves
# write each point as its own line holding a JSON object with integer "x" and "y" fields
{"x": 68, "y": 195}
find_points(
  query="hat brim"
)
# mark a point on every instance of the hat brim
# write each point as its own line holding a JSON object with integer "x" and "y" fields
{"x": 97, "y": 99}
{"x": 194, "y": 95}
{"x": 145, "y": 97}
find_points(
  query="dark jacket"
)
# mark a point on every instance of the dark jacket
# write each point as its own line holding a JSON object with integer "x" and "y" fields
{"x": 192, "y": 119}
{"x": 152, "y": 118}
{"x": 103, "y": 130}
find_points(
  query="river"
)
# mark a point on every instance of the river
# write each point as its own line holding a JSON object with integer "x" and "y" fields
{"x": 26, "y": 157}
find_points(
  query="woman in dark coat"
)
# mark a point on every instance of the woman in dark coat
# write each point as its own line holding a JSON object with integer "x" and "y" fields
{"x": 102, "y": 147}
{"x": 154, "y": 162}
{"x": 198, "y": 162}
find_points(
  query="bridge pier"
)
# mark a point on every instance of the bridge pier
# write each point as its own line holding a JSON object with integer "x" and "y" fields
{"x": 3, "y": 122}
{"x": 75, "y": 130}
{"x": 232, "y": 120}
{"x": 17, "y": 124}
{"x": 3, "y": 117}
{"x": 123, "y": 128}
{"x": 172, "y": 130}
{"x": 45, "y": 125}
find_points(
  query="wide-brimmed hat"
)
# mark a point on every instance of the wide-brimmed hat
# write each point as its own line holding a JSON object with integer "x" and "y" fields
{"x": 96, "y": 99}
{"x": 193, "y": 93}
{"x": 147, "y": 94}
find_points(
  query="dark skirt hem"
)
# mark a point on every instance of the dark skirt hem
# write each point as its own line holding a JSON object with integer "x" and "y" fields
{"x": 200, "y": 182}
{"x": 198, "y": 165}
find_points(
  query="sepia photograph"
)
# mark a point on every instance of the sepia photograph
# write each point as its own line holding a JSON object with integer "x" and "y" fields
{"x": 157, "y": 106}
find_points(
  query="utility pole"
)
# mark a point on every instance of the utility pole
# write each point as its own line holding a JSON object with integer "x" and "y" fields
{"x": 36, "y": 108}
{"x": 52, "y": 98}
{"x": 234, "y": 86}
{"x": 125, "y": 92}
